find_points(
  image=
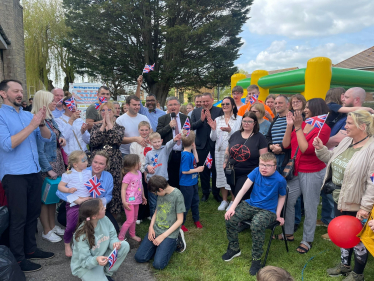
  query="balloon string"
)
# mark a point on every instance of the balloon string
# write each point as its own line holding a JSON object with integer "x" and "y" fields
{"x": 302, "y": 272}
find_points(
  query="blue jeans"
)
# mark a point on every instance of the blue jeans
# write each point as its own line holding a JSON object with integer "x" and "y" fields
{"x": 298, "y": 211}
{"x": 161, "y": 253}
{"x": 191, "y": 201}
{"x": 280, "y": 159}
{"x": 327, "y": 213}
{"x": 152, "y": 201}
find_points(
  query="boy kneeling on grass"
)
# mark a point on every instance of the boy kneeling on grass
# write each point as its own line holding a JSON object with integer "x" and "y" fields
{"x": 264, "y": 207}
{"x": 164, "y": 235}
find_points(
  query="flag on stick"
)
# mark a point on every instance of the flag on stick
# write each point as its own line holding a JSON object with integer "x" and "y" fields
{"x": 187, "y": 126}
{"x": 317, "y": 121}
{"x": 148, "y": 68}
{"x": 94, "y": 187}
{"x": 101, "y": 100}
{"x": 253, "y": 99}
{"x": 70, "y": 103}
{"x": 112, "y": 258}
{"x": 209, "y": 161}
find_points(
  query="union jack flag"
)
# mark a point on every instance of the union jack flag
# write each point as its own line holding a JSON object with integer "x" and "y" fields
{"x": 101, "y": 100}
{"x": 70, "y": 103}
{"x": 94, "y": 187}
{"x": 187, "y": 126}
{"x": 148, "y": 68}
{"x": 317, "y": 121}
{"x": 372, "y": 177}
{"x": 209, "y": 161}
{"x": 112, "y": 258}
{"x": 253, "y": 99}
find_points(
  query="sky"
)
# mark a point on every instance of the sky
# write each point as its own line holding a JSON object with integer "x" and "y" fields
{"x": 287, "y": 33}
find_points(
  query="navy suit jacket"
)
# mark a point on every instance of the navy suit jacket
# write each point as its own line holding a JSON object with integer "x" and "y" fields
{"x": 164, "y": 129}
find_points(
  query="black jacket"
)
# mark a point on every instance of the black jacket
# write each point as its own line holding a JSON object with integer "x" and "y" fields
{"x": 164, "y": 129}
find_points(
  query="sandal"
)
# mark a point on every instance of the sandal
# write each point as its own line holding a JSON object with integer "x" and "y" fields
{"x": 281, "y": 237}
{"x": 304, "y": 250}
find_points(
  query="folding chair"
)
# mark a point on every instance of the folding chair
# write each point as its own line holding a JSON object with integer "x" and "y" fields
{"x": 272, "y": 227}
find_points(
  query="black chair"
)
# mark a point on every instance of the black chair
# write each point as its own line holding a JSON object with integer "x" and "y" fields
{"x": 272, "y": 227}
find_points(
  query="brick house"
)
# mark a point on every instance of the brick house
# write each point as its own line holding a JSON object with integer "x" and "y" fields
{"x": 12, "y": 48}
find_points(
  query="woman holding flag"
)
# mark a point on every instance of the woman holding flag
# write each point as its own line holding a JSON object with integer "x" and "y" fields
{"x": 308, "y": 169}
{"x": 350, "y": 171}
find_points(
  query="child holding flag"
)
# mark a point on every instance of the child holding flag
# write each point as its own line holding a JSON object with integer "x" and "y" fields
{"x": 97, "y": 251}
{"x": 188, "y": 178}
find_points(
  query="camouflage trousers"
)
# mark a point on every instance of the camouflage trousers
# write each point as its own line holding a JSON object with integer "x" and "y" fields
{"x": 260, "y": 218}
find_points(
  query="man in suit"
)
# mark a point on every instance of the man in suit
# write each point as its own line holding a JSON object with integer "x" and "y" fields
{"x": 168, "y": 127}
{"x": 204, "y": 145}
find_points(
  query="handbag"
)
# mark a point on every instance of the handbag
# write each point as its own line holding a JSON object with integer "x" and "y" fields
{"x": 230, "y": 174}
{"x": 329, "y": 187}
{"x": 290, "y": 167}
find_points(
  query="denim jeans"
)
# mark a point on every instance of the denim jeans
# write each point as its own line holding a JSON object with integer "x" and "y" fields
{"x": 152, "y": 201}
{"x": 280, "y": 159}
{"x": 191, "y": 201}
{"x": 327, "y": 213}
{"x": 298, "y": 211}
{"x": 161, "y": 253}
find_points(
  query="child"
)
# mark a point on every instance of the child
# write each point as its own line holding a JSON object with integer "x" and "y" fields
{"x": 264, "y": 207}
{"x": 164, "y": 235}
{"x": 94, "y": 241}
{"x": 132, "y": 195}
{"x": 273, "y": 273}
{"x": 156, "y": 162}
{"x": 144, "y": 128}
{"x": 188, "y": 179}
{"x": 73, "y": 182}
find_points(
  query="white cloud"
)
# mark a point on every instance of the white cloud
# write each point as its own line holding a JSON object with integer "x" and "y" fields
{"x": 302, "y": 18}
{"x": 277, "y": 56}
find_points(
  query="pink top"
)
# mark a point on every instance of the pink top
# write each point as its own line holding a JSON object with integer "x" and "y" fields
{"x": 134, "y": 189}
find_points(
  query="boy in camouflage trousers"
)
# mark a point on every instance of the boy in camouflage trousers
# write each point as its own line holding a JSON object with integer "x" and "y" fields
{"x": 263, "y": 207}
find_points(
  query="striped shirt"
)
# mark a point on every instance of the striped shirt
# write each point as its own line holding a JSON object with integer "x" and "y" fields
{"x": 278, "y": 130}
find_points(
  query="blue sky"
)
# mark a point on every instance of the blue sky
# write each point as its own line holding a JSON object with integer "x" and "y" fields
{"x": 286, "y": 33}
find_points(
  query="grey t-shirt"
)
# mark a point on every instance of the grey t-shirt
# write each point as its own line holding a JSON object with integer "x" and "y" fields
{"x": 168, "y": 207}
{"x": 93, "y": 113}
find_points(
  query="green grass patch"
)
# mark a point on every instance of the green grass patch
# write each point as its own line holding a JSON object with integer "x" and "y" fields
{"x": 202, "y": 258}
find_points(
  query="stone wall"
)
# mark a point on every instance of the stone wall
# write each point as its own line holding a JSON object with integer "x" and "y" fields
{"x": 12, "y": 59}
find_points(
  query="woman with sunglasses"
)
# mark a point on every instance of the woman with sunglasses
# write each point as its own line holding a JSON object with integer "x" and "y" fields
{"x": 244, "y": 149}
{"x": 222, "y": 128}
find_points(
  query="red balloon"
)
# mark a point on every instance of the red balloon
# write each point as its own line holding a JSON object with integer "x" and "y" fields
{"x": 343, "y": 231}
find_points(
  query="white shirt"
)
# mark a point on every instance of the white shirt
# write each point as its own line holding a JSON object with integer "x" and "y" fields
{"x": 67, "y": 131}
{"x": 131, "y": 128}
{"x": 77, "y": 180}
{"x": 177, "y": 147}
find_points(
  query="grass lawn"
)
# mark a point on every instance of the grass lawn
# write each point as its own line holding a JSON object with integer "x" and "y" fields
{"x": 202, "y": 258}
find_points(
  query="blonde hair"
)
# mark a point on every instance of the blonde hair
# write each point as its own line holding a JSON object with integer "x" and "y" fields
{"x": 42, "y": 98}
{"x": 144, "y": 123}
{"x": 260, "y": 107}
{"x": 362, "y": 117}
{"x": 188, "y": 140}
{"x": 154, "y": 136}
{"x": 268, "y": 156}
{"x": 273, "y": 273}
{"x": 109, "y": 104}
{"x": 74, "y": 158}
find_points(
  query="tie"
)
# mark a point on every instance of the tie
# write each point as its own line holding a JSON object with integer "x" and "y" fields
{"x": 177, "y": 130}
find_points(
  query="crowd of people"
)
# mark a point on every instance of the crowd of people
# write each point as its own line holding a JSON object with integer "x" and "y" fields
{"x": 145, "y": 162}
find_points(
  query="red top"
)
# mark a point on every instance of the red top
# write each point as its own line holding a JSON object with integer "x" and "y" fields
{"x": 308, "y": 162}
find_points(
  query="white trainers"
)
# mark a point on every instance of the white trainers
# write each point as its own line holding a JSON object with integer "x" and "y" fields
{"x": 228, "y": 207}
{"x": 51, "y": 237}
{"x": 223, "y": 205}
{"x": 149, "y": 218}
{"x": 138, "y": 221}
{"x": 58, "y": 230}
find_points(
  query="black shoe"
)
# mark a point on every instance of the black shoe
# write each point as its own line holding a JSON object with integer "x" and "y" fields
{"x": 29, "y": 266}
{"x": 296, "y": 226}
{"x": 40, "y": 255}
{"x": 255, "y": 267}
{"x": 230, "y": 254}
{"x": 181, "y": 243}
{"x": 204, "y": 198}
{"x": 109, "y": 278}
{"x": 218, "y": 198}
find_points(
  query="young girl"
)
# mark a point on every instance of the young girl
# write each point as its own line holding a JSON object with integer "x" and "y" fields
{"x": 132, "y": 195}
{"x": 94, "y": 241}
{"x": 73, "y": 182}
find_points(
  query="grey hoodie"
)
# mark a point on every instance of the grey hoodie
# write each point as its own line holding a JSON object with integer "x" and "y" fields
{"x": 158, "y": 158}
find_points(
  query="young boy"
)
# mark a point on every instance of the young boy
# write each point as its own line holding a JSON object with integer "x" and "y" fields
{"x": 164, "y": 235}
{"x": 156, "y": 162}
{"x": 188, "y": 179}
{"x": 264, "y": 207}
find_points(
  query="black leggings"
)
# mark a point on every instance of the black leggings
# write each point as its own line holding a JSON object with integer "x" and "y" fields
{"x": 360, "y": 251}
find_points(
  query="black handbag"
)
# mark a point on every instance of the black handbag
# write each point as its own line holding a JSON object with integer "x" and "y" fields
{"x": 230, "y": 174}
{"x": 290, "y": 167}
{"x": 329, "y": 187}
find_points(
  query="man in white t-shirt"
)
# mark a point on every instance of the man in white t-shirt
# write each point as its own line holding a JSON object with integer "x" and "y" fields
{"x": 130, "y": 120}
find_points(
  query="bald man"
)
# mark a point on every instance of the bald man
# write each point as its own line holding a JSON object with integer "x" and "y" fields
{"x": 59, "y": 95}
{"x": 354, "y": 97}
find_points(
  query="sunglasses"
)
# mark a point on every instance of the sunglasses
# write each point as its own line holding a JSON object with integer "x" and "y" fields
{"x": 227, "y": 103}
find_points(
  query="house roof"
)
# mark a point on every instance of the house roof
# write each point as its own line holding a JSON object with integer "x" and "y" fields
{"x": 362, "y": 60}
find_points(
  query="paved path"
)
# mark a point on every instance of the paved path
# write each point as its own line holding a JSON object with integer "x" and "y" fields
{"x": 58, "y": 268}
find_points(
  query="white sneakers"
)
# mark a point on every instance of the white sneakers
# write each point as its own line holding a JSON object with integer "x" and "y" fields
{"x": 51, "y": 237}
{"x": 228, "y": 207}
{"x": 223, "y": 205}
{"x": 58, "y": 230}
{"x": 138, "y": 221}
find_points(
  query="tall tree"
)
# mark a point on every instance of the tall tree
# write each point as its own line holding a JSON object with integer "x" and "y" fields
{"x": 192, "y": 43}
{"x": 45, "y": 31}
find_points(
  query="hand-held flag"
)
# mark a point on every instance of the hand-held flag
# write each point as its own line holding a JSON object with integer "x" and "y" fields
{"x": 317, "y": 121}
{"x": 70, "y": 103}
{"x": 209, "y": 161}
{"x": 112, "y": 258}
{"x": 372, "y": 178}
{"x": 94, "y": 187}
{"x": 148, "y": 68}
{"x": 187, "y": 127}
{"x": 101, "y": 100}
{"x": 253, "y": 99}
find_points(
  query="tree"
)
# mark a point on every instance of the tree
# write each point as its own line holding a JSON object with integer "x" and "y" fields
{"x": 192, "y": 43}
{"x": 45, "y": 31}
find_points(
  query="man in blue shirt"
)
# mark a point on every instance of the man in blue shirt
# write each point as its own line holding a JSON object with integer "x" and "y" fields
{"x": 151, "y": 111}
{"x": 264, "y": 207}
{"x": 58, "y": 96}
{"x": 20, "y": 172}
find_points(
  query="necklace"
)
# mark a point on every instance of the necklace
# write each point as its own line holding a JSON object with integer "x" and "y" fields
{"x": 353, "y": 144}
